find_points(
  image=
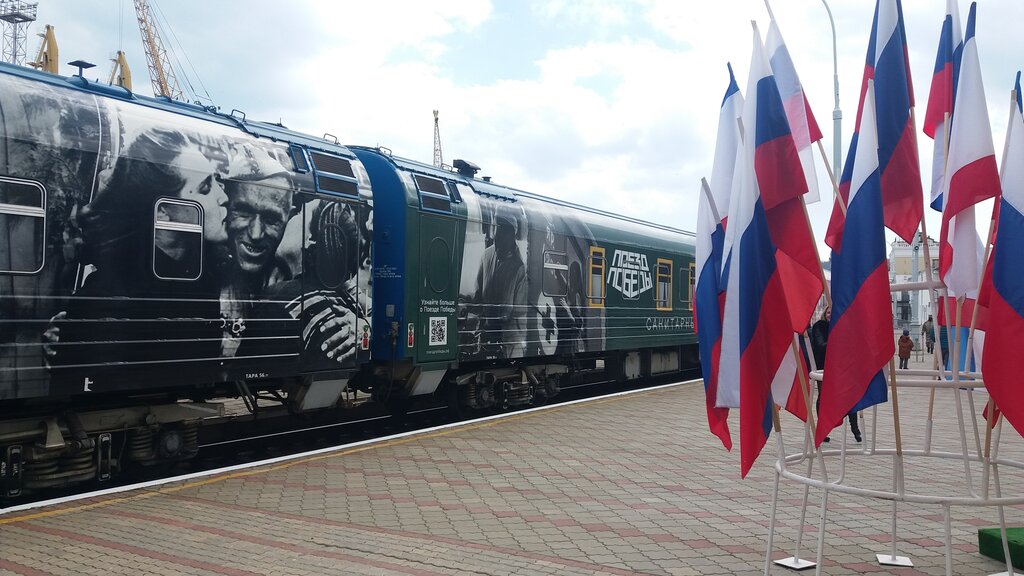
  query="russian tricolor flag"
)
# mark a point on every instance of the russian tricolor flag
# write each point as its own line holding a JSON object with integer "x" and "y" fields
{"x": 798, "y": 112}
{"x": 1004, "y": 362}
{"x": 782, "y": 183}
{"x": 942, "y": 96}
{"x": 860, "y": 340}
{"x": 756, "y": 325}
{"x": 713, "y": 204}
{"x": 888, "y": 65}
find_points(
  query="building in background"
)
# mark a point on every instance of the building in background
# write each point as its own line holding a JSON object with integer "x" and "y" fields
{"x": 907, "y": 263}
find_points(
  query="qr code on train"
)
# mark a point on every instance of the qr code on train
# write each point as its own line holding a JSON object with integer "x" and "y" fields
{"x": 438, "y": 331}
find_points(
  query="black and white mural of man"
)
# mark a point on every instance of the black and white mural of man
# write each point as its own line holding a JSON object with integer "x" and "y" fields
{"x": 523, "y": 290}
{"x": 260, "y": 194}
{"x": 165, "y": 237}
{"x": 495, "y": 290}
{"x": 501, "y": 289}
{"x": 327, "y": 291}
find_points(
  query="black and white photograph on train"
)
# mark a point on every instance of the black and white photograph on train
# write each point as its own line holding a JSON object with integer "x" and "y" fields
{"x": 155, "y": 248}
{"x": 507, "y": 315}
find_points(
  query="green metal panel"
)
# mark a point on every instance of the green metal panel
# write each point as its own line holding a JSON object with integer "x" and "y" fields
{"x": 633, "y": 318}
{"x": 439, "y": 248}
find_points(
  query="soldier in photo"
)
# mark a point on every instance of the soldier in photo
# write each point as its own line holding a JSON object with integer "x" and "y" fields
{"x": 500, "y": 293}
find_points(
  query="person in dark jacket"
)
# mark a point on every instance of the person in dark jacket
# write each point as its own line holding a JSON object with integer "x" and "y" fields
{"x": 928, "y": 328}
{"x": 819, "y": 344}
{"x": 906, "y": 344}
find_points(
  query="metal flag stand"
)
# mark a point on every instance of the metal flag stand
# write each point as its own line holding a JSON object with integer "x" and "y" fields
{"x": 937, "y": 379}
{"x": 794, "y": 562}
{"x": 991, "y": 493}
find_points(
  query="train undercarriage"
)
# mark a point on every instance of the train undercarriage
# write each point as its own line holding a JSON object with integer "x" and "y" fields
{"x": 60, "y": 448}
{"x": 75, "y": 447}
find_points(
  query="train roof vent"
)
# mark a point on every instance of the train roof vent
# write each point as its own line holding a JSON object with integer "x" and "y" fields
{"x": 82, "y": 65}
{"x": 334, "y": 174}
{"x": 466, "y": 168}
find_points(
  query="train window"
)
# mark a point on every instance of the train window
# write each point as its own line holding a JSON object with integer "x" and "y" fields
{"x": 595, "y": 290}
{"x": 453, "y": 191}
{"x": 434, "y": 194}
{"x": 177, "y": 240}
{"x": 687, "y": 283}
{"x": 691, "y": 282}
{"x": 22, "y": 226}
{"x": 299, "y": 162}
{"x": 663, "y": 294}
{"x": 334, "y": 174}
{"x": 556, "y": 273}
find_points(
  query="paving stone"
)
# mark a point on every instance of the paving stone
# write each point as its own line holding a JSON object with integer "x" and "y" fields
{"x": 628, "y": 485}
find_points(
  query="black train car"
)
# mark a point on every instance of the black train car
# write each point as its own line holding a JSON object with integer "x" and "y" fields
{"x": 153, "y": 251}
{"x": 156, "y": 255}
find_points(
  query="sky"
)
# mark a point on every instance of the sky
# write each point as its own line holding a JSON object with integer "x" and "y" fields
{"x": 611, "y": 104}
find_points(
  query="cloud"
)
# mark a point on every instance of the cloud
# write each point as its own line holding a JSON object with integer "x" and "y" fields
{"x": 597, "y": 15}
{"x": 610, "y": 104}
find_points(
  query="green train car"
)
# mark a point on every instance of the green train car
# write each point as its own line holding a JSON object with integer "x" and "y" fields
{"x": 159, "y": 257}
{"x": 500, "y": 297}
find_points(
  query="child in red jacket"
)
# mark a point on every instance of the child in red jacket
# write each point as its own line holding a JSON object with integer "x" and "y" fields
{"x": 905, "y": 346}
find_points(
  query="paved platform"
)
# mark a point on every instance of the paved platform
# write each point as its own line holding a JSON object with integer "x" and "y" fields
{"x": 626, "y": 485}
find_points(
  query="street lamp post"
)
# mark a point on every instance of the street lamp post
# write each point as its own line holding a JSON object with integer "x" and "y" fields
{"x": 915, "y": 302}
{"x": 837, "y": 114}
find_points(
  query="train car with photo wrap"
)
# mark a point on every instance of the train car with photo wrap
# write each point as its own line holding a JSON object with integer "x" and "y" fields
{"x": 496, "y": 297}
{"x": 156, "y": 256}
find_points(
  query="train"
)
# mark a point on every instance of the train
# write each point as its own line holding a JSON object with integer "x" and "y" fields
{"x": 158, "y": 257}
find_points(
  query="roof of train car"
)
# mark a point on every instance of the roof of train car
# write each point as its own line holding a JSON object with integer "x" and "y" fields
{"x": 235, "y": 119}
{"x": 278, "y": 132}
{"x": 500, "y": 191}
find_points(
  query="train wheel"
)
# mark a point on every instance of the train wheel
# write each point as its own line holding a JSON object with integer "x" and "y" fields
{"x": 454, "y": 401}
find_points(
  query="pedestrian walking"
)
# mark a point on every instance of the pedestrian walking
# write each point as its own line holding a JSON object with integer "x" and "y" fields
{"x": 929, "y": 334}
{"x": 905, "y": 345}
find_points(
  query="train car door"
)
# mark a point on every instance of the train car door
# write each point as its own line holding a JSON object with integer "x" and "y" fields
{"x": 436, "y": 337}
{"x": 335, "y": 307}
{"x": 334, "y": 318}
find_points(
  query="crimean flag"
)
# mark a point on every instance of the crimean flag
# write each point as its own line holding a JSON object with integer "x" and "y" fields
{"x": 1003, "y": 361}
{"x": 900, "y": 172}
{"x": 943, "y": 95}
{"x": 756, "y": 323}
{"x": 798, "y": 111}
{"x": 860, "y": 339}
{"x": 710, "y": 239}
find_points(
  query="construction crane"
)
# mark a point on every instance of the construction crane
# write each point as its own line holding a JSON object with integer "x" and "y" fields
{"x": 121, "y": 74}
{"x": 438, "y": 160}
{"x": 16, "y": 16}
{"x": 165, "y": 81}
{"x": 47, "y": 57}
